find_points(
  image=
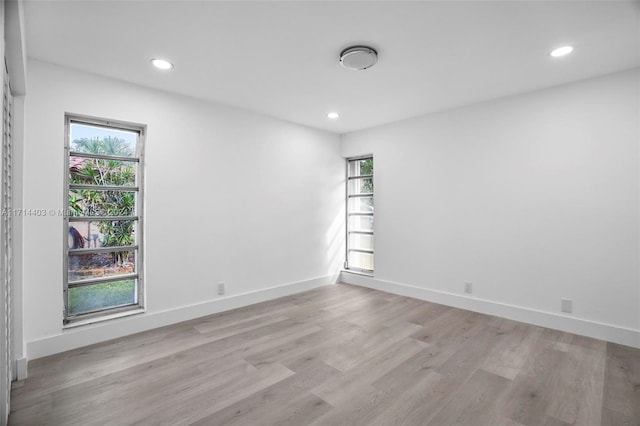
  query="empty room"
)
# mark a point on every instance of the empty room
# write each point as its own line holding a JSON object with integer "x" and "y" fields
{"x": 320, "y": 212}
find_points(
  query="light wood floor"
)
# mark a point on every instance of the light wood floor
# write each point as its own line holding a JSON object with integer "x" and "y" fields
{"x": 338, "y": 355}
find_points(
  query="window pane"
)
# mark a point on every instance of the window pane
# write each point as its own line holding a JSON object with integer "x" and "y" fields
{"x": 361, "y": 260}
{"x": 93, "y": 202}
{"x": 361, "y": 241}
{"x": 361, "y": 205}
{"x": 361, "y": 223}
{"x": 103, "y": 233}
{"x": 93, "y": 171}
{"x": 102, "y": 140}
{"x": 101, "y": 296}
{"x": 361, "y": 167}
{"x": 98, "y": 265}
{"x": 361, "y": 186}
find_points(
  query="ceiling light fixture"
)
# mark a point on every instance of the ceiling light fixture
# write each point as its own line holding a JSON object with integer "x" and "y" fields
{"x": 333, "y": 116}
{"x": 162, "y": 64}
{"x": 561, "y": 51}
{"x": 358, "y": 58}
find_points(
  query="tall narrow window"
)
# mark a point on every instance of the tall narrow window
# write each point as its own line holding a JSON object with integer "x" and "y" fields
{"x": 103, "y": 222}
{"x": 360, "y": 214}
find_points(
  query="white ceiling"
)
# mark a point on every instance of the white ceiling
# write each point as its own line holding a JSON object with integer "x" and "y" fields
{"x": 281, "y": 58}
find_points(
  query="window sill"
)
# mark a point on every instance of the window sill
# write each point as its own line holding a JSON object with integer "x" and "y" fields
{"x": 364, "y": 274}
{"x": 88, "y": 321}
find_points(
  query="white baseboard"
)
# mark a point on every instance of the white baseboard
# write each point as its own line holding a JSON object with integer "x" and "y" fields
{"x": 99, "y": 332}
{"x": 20, "y": 369}
{"x": 597, "y": 330}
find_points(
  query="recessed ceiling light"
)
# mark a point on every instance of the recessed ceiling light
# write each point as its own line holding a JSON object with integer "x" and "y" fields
{"x": 162, "y": 64}
{"x": 333, "y": 115}
{"x": 562, "y": 51}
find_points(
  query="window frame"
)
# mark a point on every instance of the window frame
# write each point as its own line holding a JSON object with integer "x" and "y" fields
{"x": 138, "y": 246}
{"x": 348, "y": 214}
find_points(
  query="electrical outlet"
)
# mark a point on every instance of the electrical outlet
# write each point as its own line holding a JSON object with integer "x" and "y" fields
{"x": 221, "y": 288}
{"x": 566, "y": 305}
{"x": 468, "y": 287}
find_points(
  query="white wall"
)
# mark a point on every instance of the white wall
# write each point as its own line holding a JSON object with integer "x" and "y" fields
{"x": 532, "y": 198}
{"x": 230, "y": 196}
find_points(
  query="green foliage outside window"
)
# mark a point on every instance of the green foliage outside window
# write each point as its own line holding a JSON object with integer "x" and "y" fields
{"x": 105, "y": 172}
{"x": 366, "y": 168}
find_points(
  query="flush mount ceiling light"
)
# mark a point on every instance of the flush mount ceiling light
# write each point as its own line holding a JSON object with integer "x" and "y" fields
{"x": 162, "y": 64}
{"x": 358, "y": 57}
{"x": 333, "y": 116}
{"x": 561, "y": 51}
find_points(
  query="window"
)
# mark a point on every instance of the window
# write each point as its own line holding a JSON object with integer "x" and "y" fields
{"x": 103, "y": 218}
{"x": 360, "y": 214}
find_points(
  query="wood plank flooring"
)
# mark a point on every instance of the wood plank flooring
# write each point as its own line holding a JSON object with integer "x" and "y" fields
{"x": 337, "y": 355}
